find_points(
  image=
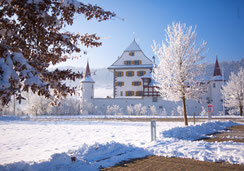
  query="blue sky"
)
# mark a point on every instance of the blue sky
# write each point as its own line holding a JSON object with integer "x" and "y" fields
{"x": 219, "y": 22}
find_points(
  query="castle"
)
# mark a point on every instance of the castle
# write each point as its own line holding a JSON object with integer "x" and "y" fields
{"x": 133, "y": 84}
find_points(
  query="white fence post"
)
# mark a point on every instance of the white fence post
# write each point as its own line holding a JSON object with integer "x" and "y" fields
{"x": 153, "y": 130}
{"x": 209, "y": 116}
{"x": 210, "y": 111}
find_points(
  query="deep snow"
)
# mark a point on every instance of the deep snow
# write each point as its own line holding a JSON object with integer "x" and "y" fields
{"x": 48, "y": 145}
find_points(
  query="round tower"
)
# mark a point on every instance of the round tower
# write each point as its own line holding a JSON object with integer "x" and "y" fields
{"x": 87, "y": 87}
{"x": 216, "y": 83}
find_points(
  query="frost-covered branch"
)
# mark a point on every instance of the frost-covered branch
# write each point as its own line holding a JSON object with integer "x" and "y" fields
{"x": 233, "y": 92}
{"x": 32, "y": 38}
{"x": 180, "y": 71}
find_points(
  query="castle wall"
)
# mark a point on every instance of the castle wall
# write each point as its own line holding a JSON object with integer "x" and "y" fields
{"x": 161, "y": 105}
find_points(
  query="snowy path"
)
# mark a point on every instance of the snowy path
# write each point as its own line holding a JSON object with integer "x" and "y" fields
{"x": 31, "y": 141}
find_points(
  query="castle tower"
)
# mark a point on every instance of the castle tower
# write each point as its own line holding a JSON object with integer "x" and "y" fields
{"x": 216, "y": 83}
{"x": 87, "y": 86}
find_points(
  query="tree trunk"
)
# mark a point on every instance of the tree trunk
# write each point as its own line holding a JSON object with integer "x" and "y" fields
{"x": 184, "y": 106}
{"x": 241, "y": 110}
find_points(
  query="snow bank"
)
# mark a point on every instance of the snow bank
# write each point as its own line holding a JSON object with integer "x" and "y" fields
{"x": 86, "y": 158}
{"x": 57, "y": 162}
{"x": 109, "y": 154}
{"x": 228, "y": 151}
{"x": 197, "y": 131}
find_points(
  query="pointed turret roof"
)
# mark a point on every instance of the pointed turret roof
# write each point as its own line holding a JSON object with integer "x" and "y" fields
{"x": 87, "y": 76}
{"x": 88, "y": 72}
{"x": 133, "y": 47}
{"x": 217, "y": 71}
{"x": 217, "y": 76}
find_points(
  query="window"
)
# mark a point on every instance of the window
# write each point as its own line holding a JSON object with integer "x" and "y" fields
{"x": 132, "y": 53}
{"x": 127, "y": 62}
{"x": 137, "y": 62}
{"x": 139, "y": 93}
{"x": 121, "y": 93}
{"x": 119, "y": 83}
{"x": 154, "y": 99}
{"x": 146, "y": 80}
{"x": 119, "y": 74}
{"x": 213, "y": 85}
{"x": 136, "y": 83}
{"x": 141, "y": 73}
{"x": 130, "y": 73}
{"x": 129, "y": 93}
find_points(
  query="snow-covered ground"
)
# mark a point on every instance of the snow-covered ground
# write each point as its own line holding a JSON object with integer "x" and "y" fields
{"x": 48, "y": 145}
{"x": 65, "y": 117}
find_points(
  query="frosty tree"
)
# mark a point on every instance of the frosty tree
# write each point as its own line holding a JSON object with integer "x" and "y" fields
{"x": 180, "y": 69}
{"x": 32, "y": 37}
{"x": 113, "y": 110}
{"x": 233, "y": 92}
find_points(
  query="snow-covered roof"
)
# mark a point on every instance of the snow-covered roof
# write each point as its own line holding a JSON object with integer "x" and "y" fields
{"x": 87, "y": 80}
{"x": 147, "y": 75}
{"x": 153, "y": 82}
{"x": 133, "y": 47}
{"x": 130, "y": 66}
{"x": 217, "y": 78}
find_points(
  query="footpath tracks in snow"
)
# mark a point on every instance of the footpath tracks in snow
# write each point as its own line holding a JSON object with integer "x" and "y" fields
{"x": 235, "y": 134}
{"x": 156, "y": 163}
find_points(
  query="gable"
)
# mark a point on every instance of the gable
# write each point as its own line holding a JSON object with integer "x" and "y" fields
{"x": 138, "y": 56}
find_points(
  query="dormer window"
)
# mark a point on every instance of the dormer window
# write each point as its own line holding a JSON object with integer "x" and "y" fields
{"x": 137, "y": 62}
{"x": 131, "y": 53}
{"x": 127, "y": 62}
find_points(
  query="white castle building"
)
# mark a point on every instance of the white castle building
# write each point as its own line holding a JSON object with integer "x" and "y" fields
{"x": 133, "y": 84}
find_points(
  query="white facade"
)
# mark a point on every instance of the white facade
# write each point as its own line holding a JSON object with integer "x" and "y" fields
{"x": 128, "y": 71}
{"x": 143, "y": 89}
